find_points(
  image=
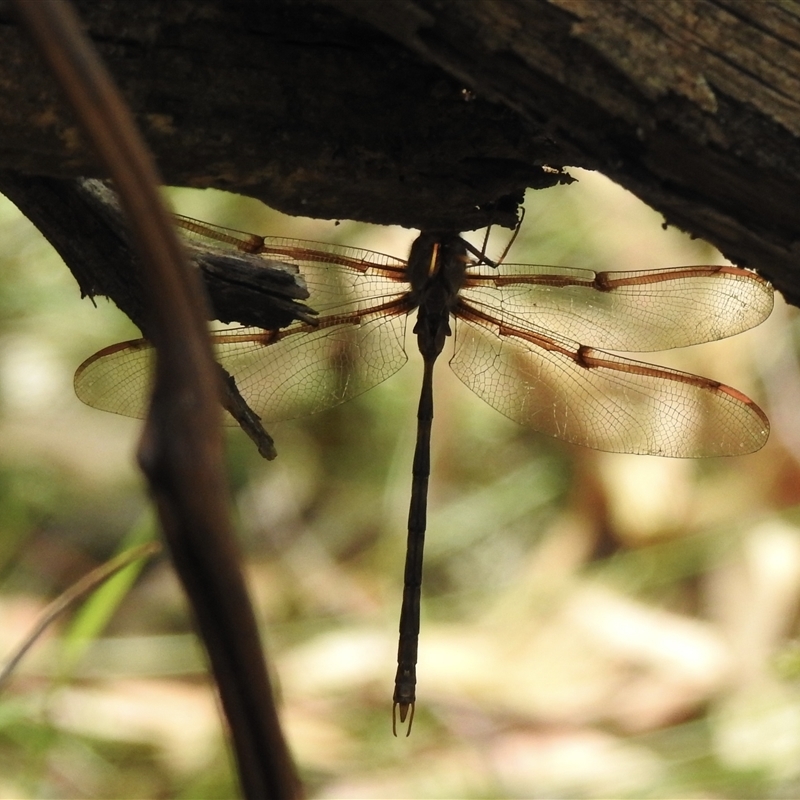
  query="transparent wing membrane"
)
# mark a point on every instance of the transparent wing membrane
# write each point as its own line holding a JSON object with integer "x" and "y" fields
{"x": 525, "y": 343}
{"x": 306, "y": 373}
{"x": 118, "y": 378}
{"x": 638, "y": 311}
{"x": 281, "y": 376}
{"x": 356, "y": 344}
{"x": 599, "y": 400}
{"x": 337, "y": 276}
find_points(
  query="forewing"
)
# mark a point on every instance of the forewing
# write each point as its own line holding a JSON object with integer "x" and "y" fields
{"x": 338, "y": 277}
{"x": 637, "y": 311}
{"x": 595, "y": 399}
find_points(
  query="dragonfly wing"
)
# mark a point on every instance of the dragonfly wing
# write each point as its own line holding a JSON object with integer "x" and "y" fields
{"x": 356, "y": 344}
{"x": 595, "y": 399}
{"x": 341, "y": 277}
{"x": 337, "y": 276}
{"x": 305, "y": 373}
{"x": 117, "y": 378}
{"x": 637, "y": 311}
{"x": 281, "y": 375}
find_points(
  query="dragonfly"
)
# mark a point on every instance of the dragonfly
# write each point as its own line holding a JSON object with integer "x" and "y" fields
{"x": 535, "y": 342}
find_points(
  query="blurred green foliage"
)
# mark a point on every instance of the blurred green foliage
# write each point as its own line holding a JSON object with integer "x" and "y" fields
{"x": 594, "y": 625}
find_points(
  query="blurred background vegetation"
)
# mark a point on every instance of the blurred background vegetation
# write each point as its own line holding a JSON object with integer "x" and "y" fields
{"x": 593, "y": 624}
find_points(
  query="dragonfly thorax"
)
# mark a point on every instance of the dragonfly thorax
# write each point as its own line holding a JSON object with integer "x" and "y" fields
{"x": 436, "y": 271}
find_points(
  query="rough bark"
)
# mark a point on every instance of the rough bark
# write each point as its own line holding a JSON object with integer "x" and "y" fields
{"x": 83, "y": 222}
{"x": 438, "y": 113}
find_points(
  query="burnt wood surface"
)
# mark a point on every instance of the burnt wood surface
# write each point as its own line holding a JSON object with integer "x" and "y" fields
{"x": 439, "y": 113}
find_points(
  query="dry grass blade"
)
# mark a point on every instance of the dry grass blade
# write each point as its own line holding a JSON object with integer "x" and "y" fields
{"x": 87, "y": 584}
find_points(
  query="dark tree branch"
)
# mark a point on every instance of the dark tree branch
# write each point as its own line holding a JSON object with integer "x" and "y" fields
{"x": 694, "y": 105}
{"x": 351, "y": 108}
{"x": 290, "y": 102}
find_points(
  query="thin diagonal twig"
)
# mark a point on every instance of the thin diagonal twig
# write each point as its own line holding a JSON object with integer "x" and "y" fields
{"x": 87, "y": 584}
{"x": 181, "y": 448}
